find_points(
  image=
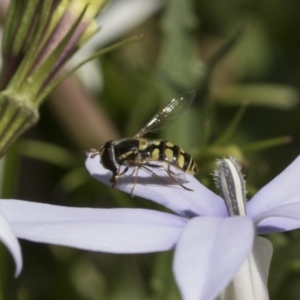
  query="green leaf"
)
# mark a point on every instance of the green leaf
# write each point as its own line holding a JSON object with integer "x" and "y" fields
{"x": 48, "y": 152}
{"x": 74, "y": 179}
{"x": 10, "y": 175}
{"x": 103, "y": 51}
{"x": 179, "y": 60}
{"x": 162, "y": 281}
{"x": 232, "y": 127}
{"x": 266, "y": 144}
{"x": 269, "y": 95}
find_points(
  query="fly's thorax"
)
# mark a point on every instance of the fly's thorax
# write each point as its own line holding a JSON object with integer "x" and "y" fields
{"x": 126, "y": 150}
{"x": 143, "y": 144}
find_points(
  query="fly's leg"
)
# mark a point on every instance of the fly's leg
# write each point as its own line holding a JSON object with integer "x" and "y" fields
{"x": 113, "y": 180}
{"x": 156, "y": 166}
{"x": 115, "y": 177}
{"x": 171, "y": 175}
{"x": 123, "y": 172}
{"x": 94, "y": 152}
{"x": 135, "y": 180}
{"x": 132, "y": 172}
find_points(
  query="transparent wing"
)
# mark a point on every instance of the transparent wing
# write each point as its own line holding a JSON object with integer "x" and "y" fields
{"x": 168, "y": 114}
{"x": 167, "y": 175}
{"x": 167, "y": 170}
{"x": 163, "y": 171}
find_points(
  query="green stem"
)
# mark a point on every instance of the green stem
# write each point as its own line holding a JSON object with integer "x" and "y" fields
{"x": 59, "y": 80}
{"x": 15, "y": 118}
{"x": 266, "y": 144}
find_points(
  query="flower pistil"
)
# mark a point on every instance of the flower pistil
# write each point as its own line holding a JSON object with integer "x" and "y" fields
{"x": 231, "y": 183}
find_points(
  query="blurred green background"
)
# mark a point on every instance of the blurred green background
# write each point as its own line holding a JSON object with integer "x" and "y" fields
{"x": 242, "y": 58}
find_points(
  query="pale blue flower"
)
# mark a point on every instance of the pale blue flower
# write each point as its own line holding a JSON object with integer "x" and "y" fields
{"x": 8, "y": 238}
{"x": 210, "y": 247}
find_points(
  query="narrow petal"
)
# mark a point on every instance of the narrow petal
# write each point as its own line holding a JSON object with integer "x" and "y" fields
{"x": 278, "y": 219}
{"x": 251, "y": 280}
{"x": 201, "y": 201}
{"x": 123, "y": 15}
{"x": 107, "y": 230}
{"x": 8, "y": 238}
{"x": 209, "y": 253}
{"x": 284, "y": 188}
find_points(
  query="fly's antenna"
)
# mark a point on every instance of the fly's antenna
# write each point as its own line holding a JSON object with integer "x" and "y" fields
{"x": 94, "y": 152}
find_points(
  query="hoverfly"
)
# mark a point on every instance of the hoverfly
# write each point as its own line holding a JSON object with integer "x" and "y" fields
{"x": 153, "y": 156}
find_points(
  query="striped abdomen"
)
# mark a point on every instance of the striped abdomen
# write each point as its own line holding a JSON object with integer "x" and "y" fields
{"x": 161, "y": 150}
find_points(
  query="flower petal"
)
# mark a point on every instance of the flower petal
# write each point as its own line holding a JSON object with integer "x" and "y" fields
{"x": 278, "y": 219}
{"x": 108, "y": 230}
{"x": 8, "y": 238}
{"x": 283, "y": 189}
{"x": 251, "y": 280}
{"x": 123, "y": 15}
{"x": 201, "y": 201}
{"x": 209, "y": 253}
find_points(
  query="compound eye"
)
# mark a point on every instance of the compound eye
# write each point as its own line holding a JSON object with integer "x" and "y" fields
{"x": 107, "y": 158}
{"x": 108, "y": 144}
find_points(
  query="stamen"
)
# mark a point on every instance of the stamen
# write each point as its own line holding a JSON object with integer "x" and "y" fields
{"x": 231, "y": 183}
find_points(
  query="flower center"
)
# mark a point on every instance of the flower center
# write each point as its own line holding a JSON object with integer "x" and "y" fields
{"x": 230, "y": 181}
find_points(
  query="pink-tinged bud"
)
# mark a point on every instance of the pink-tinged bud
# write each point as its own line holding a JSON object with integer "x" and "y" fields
{"x": 39, "y": 37}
